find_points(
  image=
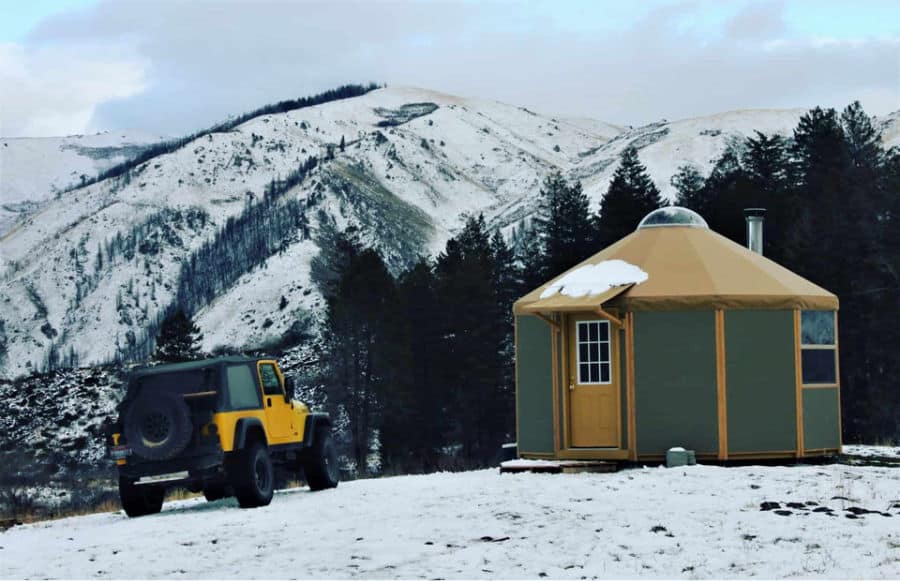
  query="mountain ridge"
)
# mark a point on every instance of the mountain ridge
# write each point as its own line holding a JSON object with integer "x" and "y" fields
{"x": 88, "y": 275}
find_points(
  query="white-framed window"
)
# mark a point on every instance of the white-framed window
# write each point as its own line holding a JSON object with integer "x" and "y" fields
{"x": 818, "y": 348}
{"x": 593, "y": 352}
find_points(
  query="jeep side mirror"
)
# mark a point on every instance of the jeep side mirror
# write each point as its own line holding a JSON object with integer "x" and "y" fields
{"x": 289, "y": 388}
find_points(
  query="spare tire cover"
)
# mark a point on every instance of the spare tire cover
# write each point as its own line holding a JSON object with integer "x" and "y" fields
{"x": 158, "y": 426}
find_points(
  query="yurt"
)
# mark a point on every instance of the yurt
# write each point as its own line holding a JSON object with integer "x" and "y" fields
{"x": 675, "y": 336}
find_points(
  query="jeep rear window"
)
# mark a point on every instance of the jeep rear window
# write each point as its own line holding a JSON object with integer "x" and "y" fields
{"x": 243, "y": 390}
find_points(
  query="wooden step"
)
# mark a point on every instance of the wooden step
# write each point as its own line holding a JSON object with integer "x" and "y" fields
{"x": 558, "y": 466}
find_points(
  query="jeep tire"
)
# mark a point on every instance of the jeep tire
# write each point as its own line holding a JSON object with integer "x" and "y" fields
{"x": 140, "y": 500}
{"x": 253, "y": 476}
{"x": 321, "y": 462}
{"x": 158, "y": 426}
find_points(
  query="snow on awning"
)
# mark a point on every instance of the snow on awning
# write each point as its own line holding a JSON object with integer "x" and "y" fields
{"x": 587, "y": 287}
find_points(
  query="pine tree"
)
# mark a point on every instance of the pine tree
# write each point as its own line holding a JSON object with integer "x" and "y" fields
{"x": 631, "y": 196}
{"x": 564, "y": 225}
{"x": 358, "y": 334}
{"x": 688, "y": 182}
{"x": 415, "y": 404}
{"x": 472, "y": 336}
{"x": 529, "y": 255}
{"x": 178, "y": 339}
{"x": 820, "y": 155}
{"x": 507, "y": 286}
{"x": 726, "y": 194}
{"x": 767, "y": 170}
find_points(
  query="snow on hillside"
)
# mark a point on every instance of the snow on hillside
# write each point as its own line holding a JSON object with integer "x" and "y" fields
{"x": 33, "y": 169}
{"x": 414, "y": 163}
{"x": 831, "y": 521}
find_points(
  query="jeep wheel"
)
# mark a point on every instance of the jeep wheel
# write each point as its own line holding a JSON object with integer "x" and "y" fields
{"x": 321, "y": 464}
{"x": 158, "y": 427}
{"x": 214, "y": 492}
{"x": 253, "y": 477}
{"x": 140, "y": 500}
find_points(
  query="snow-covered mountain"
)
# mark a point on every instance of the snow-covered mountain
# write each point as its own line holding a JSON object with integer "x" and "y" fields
{"x": 34, "y": 169}
{"x": 90, "y": 272}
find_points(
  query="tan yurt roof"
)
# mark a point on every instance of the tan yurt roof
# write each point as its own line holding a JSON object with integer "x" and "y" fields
{"x": 688, "y": 267}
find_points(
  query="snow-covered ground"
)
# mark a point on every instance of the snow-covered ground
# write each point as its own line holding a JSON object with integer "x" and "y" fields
{"x": 689, "y": 522}
{"x": 872, "y": 451}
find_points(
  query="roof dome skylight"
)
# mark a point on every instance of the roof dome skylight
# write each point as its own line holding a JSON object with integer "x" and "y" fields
{"x": 672, "y": 216}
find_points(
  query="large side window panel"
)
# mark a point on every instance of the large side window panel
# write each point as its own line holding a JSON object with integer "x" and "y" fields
{"x": 818, "y": 346}
{"x": 243, "y": 391}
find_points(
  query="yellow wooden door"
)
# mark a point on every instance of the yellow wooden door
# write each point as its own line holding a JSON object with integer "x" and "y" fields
{"x": 593, "y": 383}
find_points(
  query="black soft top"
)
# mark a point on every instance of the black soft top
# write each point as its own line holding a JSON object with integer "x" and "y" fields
{"x": 187, "y": 366}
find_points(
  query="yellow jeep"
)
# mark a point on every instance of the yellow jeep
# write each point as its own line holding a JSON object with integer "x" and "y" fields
{"x": 218, "y": 425}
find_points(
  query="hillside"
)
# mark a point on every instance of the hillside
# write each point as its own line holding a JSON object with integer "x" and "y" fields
{"x": 32, "y": 170}
{"x": 832, "y": 521}
{"x": 86, "y": 277}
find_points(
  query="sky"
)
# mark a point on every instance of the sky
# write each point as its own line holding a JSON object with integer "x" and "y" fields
{"x": 170, "y": 67}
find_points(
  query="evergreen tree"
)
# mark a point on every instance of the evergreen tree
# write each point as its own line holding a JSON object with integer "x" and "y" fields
{"x": 726, "y": 194}
{"x": 529, "y": 255}
{"x": 564, "y": 225}
{"x": 688, "y": 182}
{"x": 820, "y": 156}
{"x": 507, "y": 286}
{"x": 631, "y": 196}
{"x": 471, "y": 338}
{"x": 767, "y": 168}
{"x": 178, "y": 339}
{"x": 358, "y": 335}
{"x": 415, "y": 422}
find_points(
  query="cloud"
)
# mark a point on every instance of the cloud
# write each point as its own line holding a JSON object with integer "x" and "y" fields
{"x": 757, "y": 20}
{"x": 56, "y": 89}
{"x": 201, "y": 62}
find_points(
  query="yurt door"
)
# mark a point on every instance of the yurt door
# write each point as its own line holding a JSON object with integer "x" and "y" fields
{"x": 593, "y": 390}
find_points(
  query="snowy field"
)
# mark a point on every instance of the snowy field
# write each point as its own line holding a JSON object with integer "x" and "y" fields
{"x": 694, "y": 522}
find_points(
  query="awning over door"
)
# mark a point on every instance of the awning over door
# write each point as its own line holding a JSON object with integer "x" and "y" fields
{"x": 559, "y": 302}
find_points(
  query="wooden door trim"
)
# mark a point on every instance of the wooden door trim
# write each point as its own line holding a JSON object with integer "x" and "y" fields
{"x": 567, "y": 371}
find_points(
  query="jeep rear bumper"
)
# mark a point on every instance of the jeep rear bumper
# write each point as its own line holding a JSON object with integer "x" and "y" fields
{"x": 191, "y": 471}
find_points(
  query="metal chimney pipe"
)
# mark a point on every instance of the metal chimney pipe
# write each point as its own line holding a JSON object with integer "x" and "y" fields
{"x": 755, "y": 218}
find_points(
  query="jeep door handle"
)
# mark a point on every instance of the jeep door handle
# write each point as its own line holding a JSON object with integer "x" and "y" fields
{"x": 269, "y": 401}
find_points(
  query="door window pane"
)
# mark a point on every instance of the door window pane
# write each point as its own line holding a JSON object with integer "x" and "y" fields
{"x": 593, "y": 352}
{"x": 270, "y": 382}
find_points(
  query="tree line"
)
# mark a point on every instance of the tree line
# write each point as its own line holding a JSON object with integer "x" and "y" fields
{"x": 421, "y": 365}
{"x": 832, "y": 194}
{"x": 122, "y": 170}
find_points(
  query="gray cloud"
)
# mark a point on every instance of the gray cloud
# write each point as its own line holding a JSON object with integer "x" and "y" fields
{"x": 206, "y": 61}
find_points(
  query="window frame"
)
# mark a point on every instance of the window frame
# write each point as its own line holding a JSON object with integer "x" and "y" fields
{"x": 600, "y": 362}
{"x": 278, "y": 378}
{"x": 227, "y": 403}
{"x": 833, "y": 347}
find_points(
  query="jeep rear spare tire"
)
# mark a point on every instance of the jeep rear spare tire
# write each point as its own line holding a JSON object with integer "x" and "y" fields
{"x": 321, "y": 462}
{"x": 158, "y": 426}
